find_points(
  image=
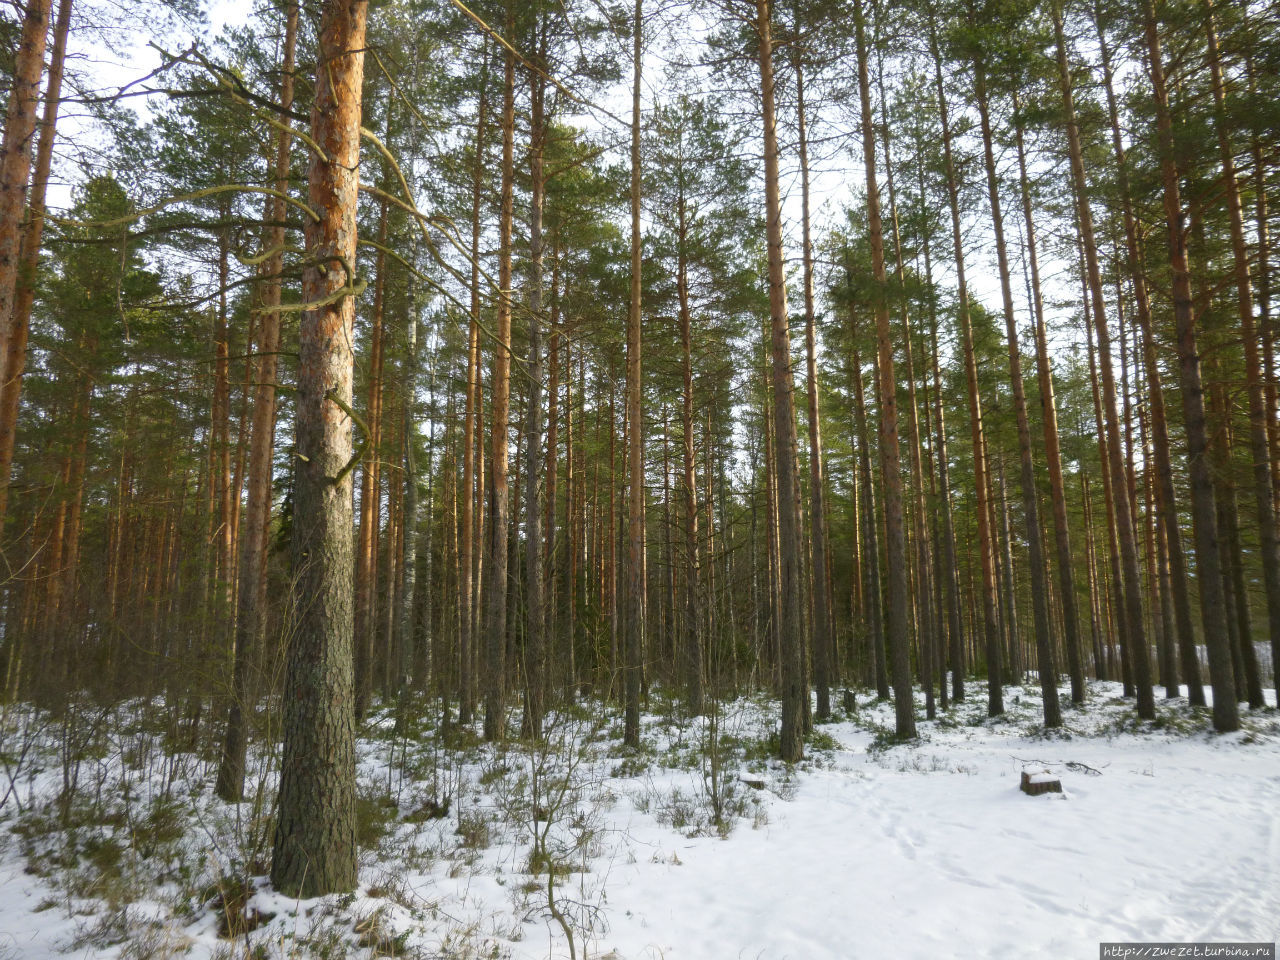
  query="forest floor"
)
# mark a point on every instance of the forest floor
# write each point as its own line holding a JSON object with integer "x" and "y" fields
{"x": 700, "y": 846}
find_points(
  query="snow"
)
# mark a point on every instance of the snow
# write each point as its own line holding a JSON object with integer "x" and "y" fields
{"x": 1164, "y": 832}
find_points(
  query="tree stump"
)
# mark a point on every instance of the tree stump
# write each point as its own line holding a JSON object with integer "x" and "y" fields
{"x": 1035, "y": 784}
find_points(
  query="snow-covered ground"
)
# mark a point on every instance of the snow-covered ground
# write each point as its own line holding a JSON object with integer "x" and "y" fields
{"x": 872, "y": 849}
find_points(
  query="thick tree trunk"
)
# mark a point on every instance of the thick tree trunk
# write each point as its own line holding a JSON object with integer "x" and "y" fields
{"x": 315, "y": 844}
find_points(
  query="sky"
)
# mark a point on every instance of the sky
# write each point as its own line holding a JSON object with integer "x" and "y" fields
{"x": 836, "y": 178}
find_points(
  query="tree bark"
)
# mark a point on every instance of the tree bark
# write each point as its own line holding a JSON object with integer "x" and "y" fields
{"x": 691, "y": 645}
{"x": 535, "y": 638}
{"x": 471, "y": 413}
{"x": 1052, "y": 445}
{"x": 817, "y": 480}
{"x": 315, "y": 845}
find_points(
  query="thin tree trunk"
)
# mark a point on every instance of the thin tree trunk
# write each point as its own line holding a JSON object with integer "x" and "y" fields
{"x": 1052, "y": 445}
{"x": 991, "y": 633}
{"x": 691, "y": 645}
{"x": 366, "y": 587}
{"x": 927, "y": 633}
{"x": 495, "y": 607}
{"x": 535, "y": 639}
{"x": 817, "y": 481}
{"x": 1258, "y": 444}
{"x": 251, "y": 595}
{"x": 1166, "y": 498}
{"x": 791, "y": 636}
{"x": 1026, "y": 478}
{"x": 1226, "y": 716}
{"x": 466, "y": 589}
{"x": 635, "y": 621}
{"x": 13, "y": 360}
{"x": 1132, "y": 585}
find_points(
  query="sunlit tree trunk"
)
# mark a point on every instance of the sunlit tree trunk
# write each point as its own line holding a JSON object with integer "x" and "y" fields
{"x": 315, "y": 844}
{"x": 13, "y": 360}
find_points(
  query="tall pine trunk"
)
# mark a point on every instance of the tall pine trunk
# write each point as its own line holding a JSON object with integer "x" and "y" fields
{"x": 1131, "y": 587}
{"x": 315, "y": 843}
{"x": 1213, "y": 611}
{"x": 635, "y": 613}
{"x": 535, "y": 638}
{"x": 1026, "y": 475}
{"x": 13, "y": 360}
{"x": 1052, "y": 445}
{"x": 986, "y": 548}
{"x": 251, "y": 595}
{"x": 817, "y": 482}
{"x": 1258, "y": 442}
{"x": 495, "y": 599}
{"x": 789, "y": 613}
{"x": 15, "y": 169}
{"x": 890, "y": 461}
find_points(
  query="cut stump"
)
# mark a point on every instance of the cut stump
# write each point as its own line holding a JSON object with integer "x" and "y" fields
{"x": 1035, "y": 784}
